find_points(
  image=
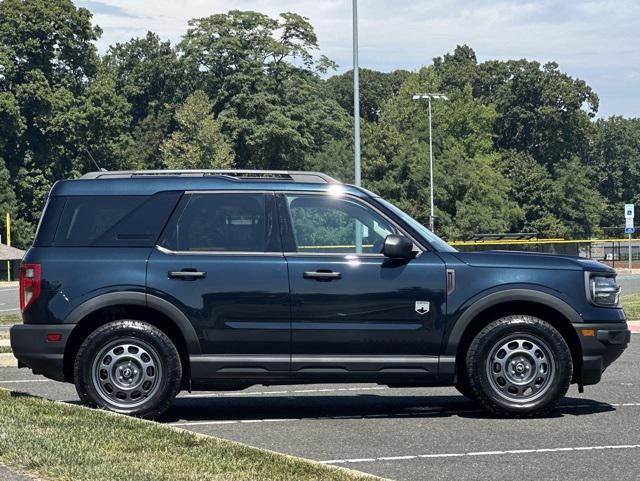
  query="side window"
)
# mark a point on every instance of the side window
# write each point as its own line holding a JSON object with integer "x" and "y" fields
{"x": 109, "y": 221}
{"x": 219, "y": 222}
{"x": 86, "y": 218}
{"x": 324, "y": 224}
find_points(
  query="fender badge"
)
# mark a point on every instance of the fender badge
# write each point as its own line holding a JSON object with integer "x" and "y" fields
{"x": 422, "y": 307}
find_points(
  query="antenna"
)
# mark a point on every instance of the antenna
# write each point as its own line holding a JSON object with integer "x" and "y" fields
{"x": 94, "y": 160}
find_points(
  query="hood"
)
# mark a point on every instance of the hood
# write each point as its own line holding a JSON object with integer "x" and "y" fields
{"x": 531, "y": 260}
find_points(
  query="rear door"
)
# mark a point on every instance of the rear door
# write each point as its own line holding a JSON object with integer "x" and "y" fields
{"x": 220, "y": 261}
{"x": 353, "y": 310}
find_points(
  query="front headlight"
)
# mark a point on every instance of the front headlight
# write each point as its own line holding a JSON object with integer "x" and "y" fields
{"x": 603, "y": 290}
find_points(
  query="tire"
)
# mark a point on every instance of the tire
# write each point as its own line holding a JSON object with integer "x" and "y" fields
{"x": 463, "y": 386}
{"x": 128, "y": 367}
{"x": 519, "y": 366}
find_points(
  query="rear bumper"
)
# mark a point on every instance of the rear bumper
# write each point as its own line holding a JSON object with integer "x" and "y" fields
{"x": 32, "y": 349}
{"x": 599, "y": 351}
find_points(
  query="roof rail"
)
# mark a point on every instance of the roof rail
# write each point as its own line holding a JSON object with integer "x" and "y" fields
{"x": 265, "y": 175}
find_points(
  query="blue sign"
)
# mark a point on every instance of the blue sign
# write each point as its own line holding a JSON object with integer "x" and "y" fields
{"x": 629, "y": 230}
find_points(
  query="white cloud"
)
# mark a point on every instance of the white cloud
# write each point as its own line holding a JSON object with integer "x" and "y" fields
{"x": 594, "y": 40}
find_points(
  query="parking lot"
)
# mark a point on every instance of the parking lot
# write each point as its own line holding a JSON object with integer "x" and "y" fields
{"x": 411, "y": 434}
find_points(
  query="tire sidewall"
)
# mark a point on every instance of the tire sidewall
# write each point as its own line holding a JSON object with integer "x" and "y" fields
{"x": 123, "y": 331}
{"x": 502, "y": 329}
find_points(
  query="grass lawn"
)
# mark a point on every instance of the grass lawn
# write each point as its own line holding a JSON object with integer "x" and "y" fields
{"x": 5, "y": 349}
{"x": 65, "y": 442}
{"x": 631, "y": 305}
{"x": 6, "y": 319}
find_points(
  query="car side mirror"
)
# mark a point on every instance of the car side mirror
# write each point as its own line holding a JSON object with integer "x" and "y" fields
{"x": 397, "y": 247}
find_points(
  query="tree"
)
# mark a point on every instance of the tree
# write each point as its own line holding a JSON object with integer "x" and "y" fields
{"x": 197, "y": 143}
{"x": 543, "y": 112}
{"x": 457, "y": 70}
{"x": 51, "y": 36}
{"x": 531, "y": 186}
{"x": 615, "y": 159}
{"x": 575, "y": 199}
{"x": 148, "y": 73}
{"x": 275, "y": 112}
{"x": 376, "y": 88}
{"x": 56, "y": 101}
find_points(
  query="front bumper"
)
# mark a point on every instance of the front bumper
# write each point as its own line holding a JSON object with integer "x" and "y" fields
{"x": 32, "y": 349}
{"x": 601, "y": 349}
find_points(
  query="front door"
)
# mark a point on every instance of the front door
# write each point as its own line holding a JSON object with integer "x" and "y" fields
{"x": 352, "y": 309}
{"x": 220, "y": 261}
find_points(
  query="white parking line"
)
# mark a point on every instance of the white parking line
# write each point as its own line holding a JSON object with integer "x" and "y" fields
{"x": 8, "y": 310}
{"x": 481, "y": 453}
{"x": 422, "y": 413}
{"x": 26, "y": 381}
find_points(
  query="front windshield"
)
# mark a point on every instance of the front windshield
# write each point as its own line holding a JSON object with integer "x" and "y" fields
{"x": 433, "y": 239}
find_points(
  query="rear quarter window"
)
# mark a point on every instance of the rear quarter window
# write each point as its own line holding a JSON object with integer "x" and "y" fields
{"x": 110, "y": 221}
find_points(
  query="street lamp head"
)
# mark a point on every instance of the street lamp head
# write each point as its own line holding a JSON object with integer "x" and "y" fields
{"x": 430, "y": 96}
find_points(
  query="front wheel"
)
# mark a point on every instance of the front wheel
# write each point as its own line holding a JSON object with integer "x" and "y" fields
{"x": 128, "y": 367}
{"x": 519, "y": 366}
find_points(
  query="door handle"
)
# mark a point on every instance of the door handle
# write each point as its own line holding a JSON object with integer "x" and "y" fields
{"x": 322, "y": 275}
{"x": 187, "y": 274}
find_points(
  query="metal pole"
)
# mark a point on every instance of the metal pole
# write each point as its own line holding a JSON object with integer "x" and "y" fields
{"x": 431, "y": 214}
{"x": 8, "y": 226}
{"x": 629, "y": 251}
{"x": 356, "y": 95}
{"x": 356, "y": 118}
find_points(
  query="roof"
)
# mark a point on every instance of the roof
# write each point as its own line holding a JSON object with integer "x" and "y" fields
{"x": 149, "y": 182}
{"x": 8, "y": 253}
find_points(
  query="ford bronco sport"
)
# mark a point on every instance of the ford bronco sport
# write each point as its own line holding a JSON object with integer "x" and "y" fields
{"x": 141, "y": 284}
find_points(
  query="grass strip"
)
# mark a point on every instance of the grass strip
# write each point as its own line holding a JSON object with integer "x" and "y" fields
{"x": 71, "y": 443}
{"x": 631, "y": 305}
{"x": 5, "y": 349}
{"x": 10, "y": 319}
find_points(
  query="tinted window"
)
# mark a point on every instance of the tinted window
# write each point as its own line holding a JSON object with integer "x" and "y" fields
{"x": 49, "y": 221}
{"x": 131, "y": 221}
{"x": 219, "y": 222}
{"x": 331, "y": 225}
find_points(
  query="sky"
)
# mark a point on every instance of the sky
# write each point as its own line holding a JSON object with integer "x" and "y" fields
{"x": 597, "y": 41}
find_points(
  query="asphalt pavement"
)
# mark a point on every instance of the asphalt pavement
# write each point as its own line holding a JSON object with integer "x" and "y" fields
{"x": 416, "y": 434}
{"x": 8, "y": 475}
{"x": 630, "y": 283}
{"x": 9, "y": 302}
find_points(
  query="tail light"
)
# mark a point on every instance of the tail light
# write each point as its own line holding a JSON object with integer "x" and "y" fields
{"x": 30, "y": 280}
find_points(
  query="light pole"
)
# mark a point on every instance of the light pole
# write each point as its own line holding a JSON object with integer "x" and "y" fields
{"x": 356, "y": 117}
{"x": 356, "y": 96}
{"x": 429, "y": 97}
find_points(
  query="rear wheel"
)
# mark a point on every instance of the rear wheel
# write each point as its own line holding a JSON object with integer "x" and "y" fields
{"x": 129, "y": 367}
{"x": 519, "y": 366}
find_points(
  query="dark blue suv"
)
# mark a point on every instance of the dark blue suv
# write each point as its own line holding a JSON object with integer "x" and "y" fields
{"x": 140, "y": 284}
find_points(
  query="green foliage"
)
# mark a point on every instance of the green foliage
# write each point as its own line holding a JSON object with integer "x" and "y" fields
{"x": 273, "y": 110}
{"x": 376, "y": 88}
{"x": 51, "y": 36}
{"x": 148, "y": 74}
{"x": 515, "y": 148}
{"x": 197, "y": 142}
{"x": 576, "y": 200}
{"x": 615, "y": 158}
